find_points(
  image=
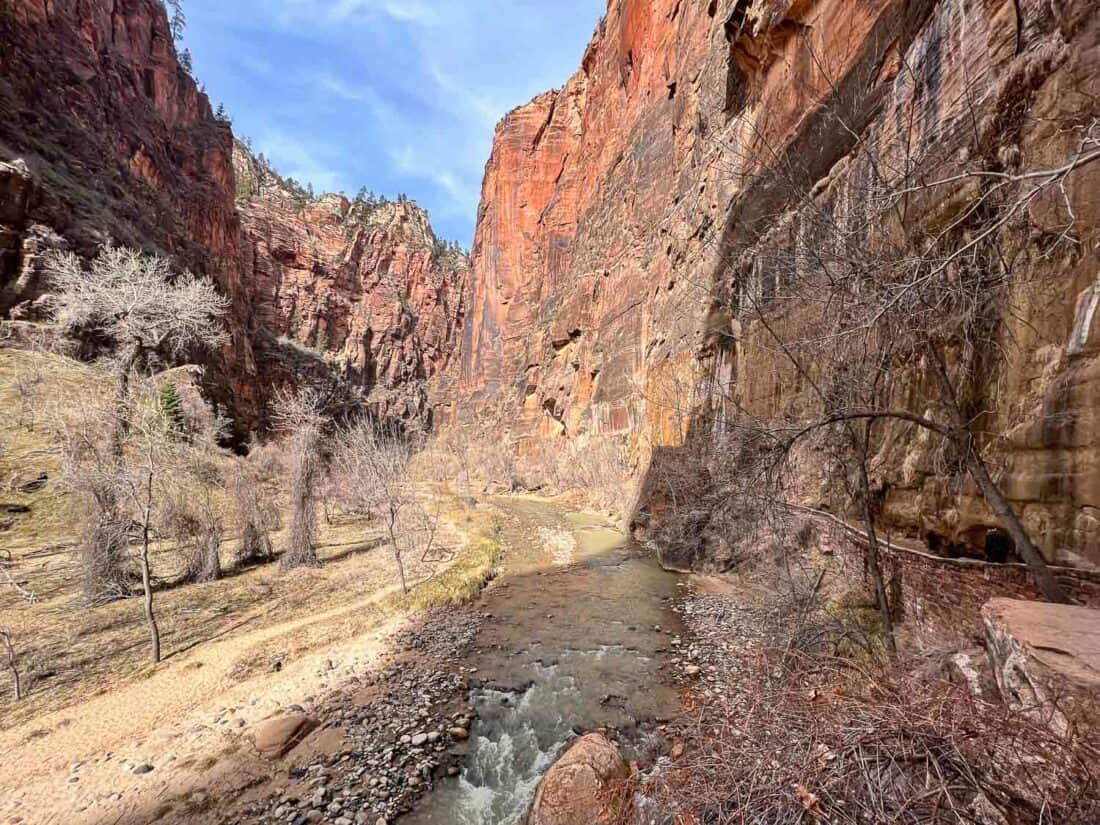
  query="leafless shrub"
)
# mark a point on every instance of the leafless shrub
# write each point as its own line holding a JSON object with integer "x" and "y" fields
{"x": 141, "y": 308}
{"x": 477, "y": 450}
{"x": 301, "y": 418}
{"x": 139, "y": 475}
{"x": 193, "y": 498}
{"x": 596, "y": 470}
{"x": 811, "y": 722}
{"x": 255, "y": 510}
{"x": 91, "y": 470}
{"x": 808, "y": 738}
{"x": 374, "y": 461}
{"x": 193, "y": 520}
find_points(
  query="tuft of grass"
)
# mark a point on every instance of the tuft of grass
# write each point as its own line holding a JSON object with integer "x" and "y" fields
{"x": 462, "y": 581}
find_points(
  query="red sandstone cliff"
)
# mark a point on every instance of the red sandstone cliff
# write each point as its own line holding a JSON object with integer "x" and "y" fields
{"x": 611, "y": 210}
{"x": 366, "y": 286}
{"x": 119, "y": 138}
{"x": 104, "y": 136}
{"x": 114, "y": 141}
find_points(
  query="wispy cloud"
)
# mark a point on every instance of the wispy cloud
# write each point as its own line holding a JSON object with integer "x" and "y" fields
{"x": 305, "y": 162}
{"x": 344, "y": 11}
{"x": 337, "y": 87}
{"x": 396, "y": 95}
{"x": 461, "y": 194}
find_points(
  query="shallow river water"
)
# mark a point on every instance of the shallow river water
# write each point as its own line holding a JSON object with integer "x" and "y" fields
{"x": 579, "y": 621}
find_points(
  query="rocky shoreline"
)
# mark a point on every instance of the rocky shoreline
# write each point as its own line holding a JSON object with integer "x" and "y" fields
{"x": 400, "y": 729}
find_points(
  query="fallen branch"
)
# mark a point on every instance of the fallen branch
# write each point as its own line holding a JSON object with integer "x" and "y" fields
{"x": 27, "y": 596}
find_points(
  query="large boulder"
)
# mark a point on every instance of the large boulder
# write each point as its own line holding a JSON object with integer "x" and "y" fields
{"x": 1046, "y": 659}
{"x": 276, "y": 736}
{"x": 574, "y": 790}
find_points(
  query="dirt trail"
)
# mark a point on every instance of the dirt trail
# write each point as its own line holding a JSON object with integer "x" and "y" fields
{"x": 183, "y": 720}
{"x": 570, "y": 638}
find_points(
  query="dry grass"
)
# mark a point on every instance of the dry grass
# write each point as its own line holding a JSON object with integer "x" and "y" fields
{"x": 809, "y": 721}
{"x": 69, "y": 652}
{"x": 27, "y": 452}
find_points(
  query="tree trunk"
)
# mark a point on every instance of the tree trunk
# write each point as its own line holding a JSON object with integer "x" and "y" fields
{"x": 975, "y": 465}
{"x": 213, "y": 568}
{"x": 122, "y": 400}
{"x": 147, "y": 585}
{"x": 1044, "y": 579}
{"x": 300, "y": 551}
{"x": 873, "y": 558}
{"x": 397, "y": 550}
{"x": 104, "y": 562}
{"x": 400, "y": 570}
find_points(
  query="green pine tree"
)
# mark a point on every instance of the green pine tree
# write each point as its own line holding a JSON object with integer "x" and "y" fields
{"x": 178, "y": 20}
{"x": 172, "y": 408}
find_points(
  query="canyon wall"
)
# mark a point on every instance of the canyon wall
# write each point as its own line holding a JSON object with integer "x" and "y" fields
{"x": 618, "y": 213}
{"x": 105, "y": 137}
{"x": 364, "y": 287}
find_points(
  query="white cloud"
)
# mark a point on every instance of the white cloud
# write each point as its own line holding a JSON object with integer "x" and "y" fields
{"x": 295, "y": 12}
{"x": 462, "y": 196}
{"x": 487, "y": 110}
{"x": 397, "y": 95}
{"x": 337, "y": 87}
{"x": 304, "y": 163}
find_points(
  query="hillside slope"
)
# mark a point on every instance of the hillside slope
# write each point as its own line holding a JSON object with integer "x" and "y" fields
{"x": 107, "y": 138}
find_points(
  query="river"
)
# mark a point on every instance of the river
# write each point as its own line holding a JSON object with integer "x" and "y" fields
{"x": 579, "y": 622}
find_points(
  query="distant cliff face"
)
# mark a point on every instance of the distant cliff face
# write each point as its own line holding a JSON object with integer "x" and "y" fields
{"x": 365, "y": 285}
{"x": 612, "y": 211}
{"x": 104, "y": 136}
{"x": 112, "y": 140}
{"x": 117, "y": 135}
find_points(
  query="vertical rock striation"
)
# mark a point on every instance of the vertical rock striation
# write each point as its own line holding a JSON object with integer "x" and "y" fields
{"x": 105, "y": 137}
{"x": 364, "y": 286}
{"x": 617, "y": 211}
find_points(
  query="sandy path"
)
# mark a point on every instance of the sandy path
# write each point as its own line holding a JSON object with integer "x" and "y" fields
{"x": 182, "y": 720}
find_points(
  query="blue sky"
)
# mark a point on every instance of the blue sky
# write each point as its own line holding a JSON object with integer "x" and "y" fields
{"x": 394, "y": 95}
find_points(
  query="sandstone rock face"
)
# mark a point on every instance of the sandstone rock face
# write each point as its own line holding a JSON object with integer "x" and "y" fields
{"x": 117, "y": 142}
{"x": 619, "y": 210}
{"x": 104, "y": 136}
{"x": 365, "y": 286}
{"x": 1046, "y": 659}
{"x": 118, "y": 136}
{"x": 573, "y": 790}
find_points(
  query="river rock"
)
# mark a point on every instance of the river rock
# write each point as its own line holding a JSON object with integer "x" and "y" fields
{"x": 573, "y": 790}
{"x": 277, "y": 735}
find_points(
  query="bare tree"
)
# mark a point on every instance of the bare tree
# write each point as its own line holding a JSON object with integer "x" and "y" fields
{"x": 254, "y": 509}
{"x": 193, "y": 516}
{"x": 301, "y": 418}
{"x": 374, "y": 461}
{"x": 9, "y": 648}
{"x": 136, "y": 304}
{"x": 137, "y": 479}
{"x": 192, "y": 511}
{"x": 885, "y": 323}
